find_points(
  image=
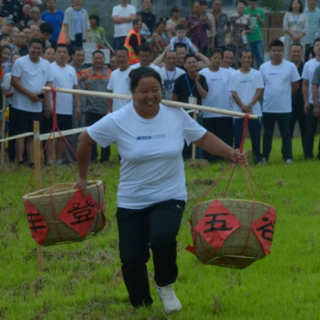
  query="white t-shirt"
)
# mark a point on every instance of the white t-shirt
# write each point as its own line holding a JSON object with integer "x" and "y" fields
{"x": 307, "y": 73}
{"x": 277, "y": 82}
{"x": 218, "y": 95}
{"x": 119, "y": 83}
{"x": 231, "y": 69}
{"x": 246, "y": 85}
{"x": 33, "y": 76}
{"x": 122, "y": 29}
{"x": 152, "y": 168}
{"x": 64, "y": 78}
{"x": 169, "y": 78}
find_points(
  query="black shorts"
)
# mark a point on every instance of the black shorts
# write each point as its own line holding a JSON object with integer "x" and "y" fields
{"x": 64, "y": 122}
{"x": 22, "y": 121}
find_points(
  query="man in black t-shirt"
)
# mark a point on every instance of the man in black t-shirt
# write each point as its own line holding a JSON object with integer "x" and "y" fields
{"x": 14, "y": 8}
{"x": 147, "y": 16}
{"x": 297, "y": 113}
{"x": 188, "y": 87}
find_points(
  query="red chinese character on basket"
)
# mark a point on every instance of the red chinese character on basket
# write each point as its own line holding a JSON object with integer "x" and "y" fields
{"x": 80, "y": 213}
{"x": 217, "y": 224}
{"x": 37, "y": 225}
{"x": 264, "y": 228}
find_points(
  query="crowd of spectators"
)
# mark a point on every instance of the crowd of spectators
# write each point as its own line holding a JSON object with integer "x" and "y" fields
{"x": 207, "y": 58}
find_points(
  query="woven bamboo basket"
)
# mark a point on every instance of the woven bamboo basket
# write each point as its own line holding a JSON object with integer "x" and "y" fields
{"x": 50, "y": 202}
{"x": 242, "y": 247}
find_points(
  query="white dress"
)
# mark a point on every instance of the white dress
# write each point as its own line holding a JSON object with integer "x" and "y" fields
{"x": 296, "y": 24}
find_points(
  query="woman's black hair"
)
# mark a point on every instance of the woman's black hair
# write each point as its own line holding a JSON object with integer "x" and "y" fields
{"x": 301, "y": 6}
{"x": 173, "y": 10}
{"x": 216, "y": 50}
{"x": 159, "y": 23}
{"x": 6, "y": 47}
{"x": 47, "y": 48}
{"x": 134, "y": 22}
{"x": 95, "y": 17}
{"x": 4, "y": 36}
{"x": 143, "y": 72}
{"x": 243, "y": 2}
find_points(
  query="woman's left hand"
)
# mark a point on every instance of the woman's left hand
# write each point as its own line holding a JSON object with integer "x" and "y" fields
{"x": 240, "y": 157}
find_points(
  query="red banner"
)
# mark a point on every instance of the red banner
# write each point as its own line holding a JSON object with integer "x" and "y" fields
{"x": 217, "y": 224}
{"x": 264, "y": 228}
{"x": 80, "y": 213}
{"x": 37, "y": 225}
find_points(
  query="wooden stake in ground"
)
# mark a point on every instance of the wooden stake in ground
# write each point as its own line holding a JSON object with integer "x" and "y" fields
{"x": 3, "y": 122}
{"x": 37, "y": 155}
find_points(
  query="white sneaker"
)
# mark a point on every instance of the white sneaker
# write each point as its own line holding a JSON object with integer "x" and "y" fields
{"x": 170, "y": 301}
{"x": 289, "y": 161}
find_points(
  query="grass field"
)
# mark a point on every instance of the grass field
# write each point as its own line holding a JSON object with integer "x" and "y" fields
{"x": 83, "y": 280}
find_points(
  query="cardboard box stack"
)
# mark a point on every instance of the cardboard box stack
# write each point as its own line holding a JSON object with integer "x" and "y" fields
{"x": 273, "y": 28}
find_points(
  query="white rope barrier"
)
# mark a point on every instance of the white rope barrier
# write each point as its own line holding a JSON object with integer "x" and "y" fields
{"x": 47, "y": 136}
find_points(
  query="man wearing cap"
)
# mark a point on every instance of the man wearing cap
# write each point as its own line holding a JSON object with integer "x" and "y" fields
{"x": 147, "y": 16}
{"x": 14, "y": 8}
{"x": 7, "y": 27}
{"x": 255, "y": 38}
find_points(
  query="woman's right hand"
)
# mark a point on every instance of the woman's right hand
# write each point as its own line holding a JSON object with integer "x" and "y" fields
{"x": 82, "y": 185}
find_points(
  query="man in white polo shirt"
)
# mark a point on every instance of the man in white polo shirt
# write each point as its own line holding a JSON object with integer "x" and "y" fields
{"x": 246, "y": 86}
{"x": 311, "y": 121}
{"x": 122, "y": 16}
{"x": 218, "y": 96}
{"x": 170, "y": 73}
{"x": 144, "y": 55}
{"x": 64, "y": 76}
{"x": 29, "y": 74}
{"x": 119, "y": 82}
{"x": 280, "y": 79}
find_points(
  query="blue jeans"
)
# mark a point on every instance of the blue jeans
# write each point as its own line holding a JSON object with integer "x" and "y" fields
{"x": 118, "y": 42}
{"x": 257, "y": 50}
{"x": 254, "y": 129}
{"x": 269, "y": 121}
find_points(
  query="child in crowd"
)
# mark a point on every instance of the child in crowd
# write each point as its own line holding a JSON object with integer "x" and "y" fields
{"x": 48, "y": 54}
{"x": 97, "y": 33}
{"x": 7, "y": 90}
{"x": 46, "y": 31}
{"x": 144, "y": 32}
{"x": 5, "y": 40}
{"x": 5, "y": 58}
{"x": 181, "y": 38}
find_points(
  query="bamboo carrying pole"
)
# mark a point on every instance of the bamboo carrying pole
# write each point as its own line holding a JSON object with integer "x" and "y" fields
{"x": 37, "y": 155}
{"x": 166, "y": 102}
{"x": 3, "y": 122}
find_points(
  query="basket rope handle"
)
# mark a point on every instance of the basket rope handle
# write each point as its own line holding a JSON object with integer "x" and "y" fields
{"x": 246, "y": 171}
